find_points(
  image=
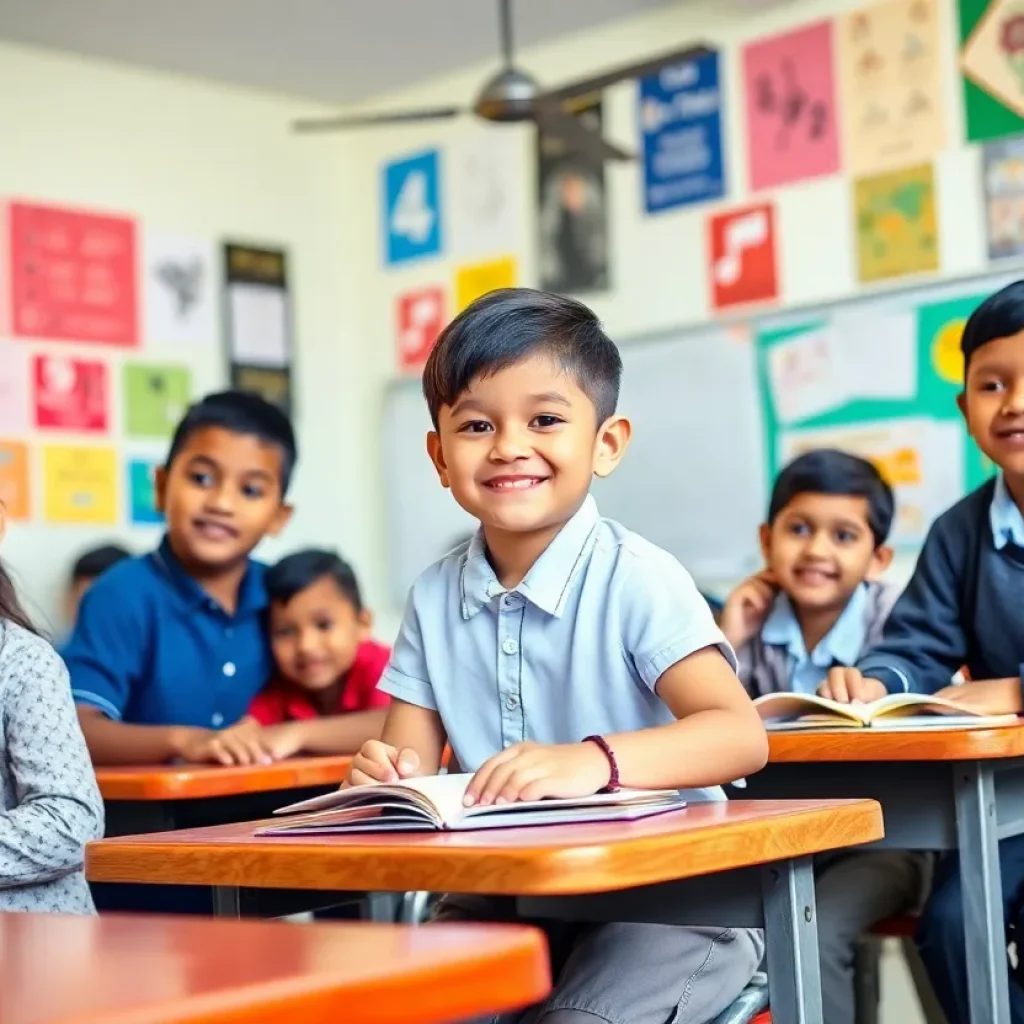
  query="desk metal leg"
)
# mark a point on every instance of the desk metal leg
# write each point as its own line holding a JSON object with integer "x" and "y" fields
{"x": 227, "y": 901}
{"x": 982, "y": 888}
{"x": 791, "y": 941}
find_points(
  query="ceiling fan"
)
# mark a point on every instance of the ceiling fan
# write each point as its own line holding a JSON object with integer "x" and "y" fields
{"x": 513, "y": 96}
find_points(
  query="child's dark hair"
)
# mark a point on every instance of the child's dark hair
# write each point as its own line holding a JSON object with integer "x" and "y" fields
{"x": 1001, "y": 315}
{"x": 240, "y": 412}
{"x": 511, "y": 324}
{"x": 296, "y": 572}
{"x": 10, "y": 607}
{"x": 827, "y": 471}
{"x": 92, "y": 564}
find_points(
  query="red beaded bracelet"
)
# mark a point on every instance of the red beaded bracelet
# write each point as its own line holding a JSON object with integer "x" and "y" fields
{"x": 613, "y": 781}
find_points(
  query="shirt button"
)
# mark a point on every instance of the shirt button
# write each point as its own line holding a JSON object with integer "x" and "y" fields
{"x": 510, "y": 646}
{"x": 510, "y": 600}
{"x": 229, "y": 669}
{"x": 511, "y": 703}
{"x": 217, "y": 720}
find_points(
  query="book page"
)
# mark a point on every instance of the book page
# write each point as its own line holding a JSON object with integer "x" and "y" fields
{"x": 774, "y": 707}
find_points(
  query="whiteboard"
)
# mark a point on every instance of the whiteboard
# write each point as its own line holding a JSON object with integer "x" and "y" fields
{"x": 692, "y": 481}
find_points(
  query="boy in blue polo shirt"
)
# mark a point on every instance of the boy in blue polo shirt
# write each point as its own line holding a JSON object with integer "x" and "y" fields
{"x": 961, "y": 609}
{"x": 169, "y": 649}
{"x": 558, "y": 653}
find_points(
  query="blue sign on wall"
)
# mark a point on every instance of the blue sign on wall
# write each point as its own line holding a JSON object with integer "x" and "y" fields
{"x": 142, "y": 492}
{"x": 681, "y": 122}
{"x": 412, "y": 208}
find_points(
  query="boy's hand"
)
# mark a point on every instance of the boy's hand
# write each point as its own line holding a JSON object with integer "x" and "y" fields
{"x": 380, "y": 762}
{"x": 533, "y": 771}
{"x": 242, "y": 743}
{"x": 988, "y": 697}
{"x": 747, "y": 607}
{"x": 283, "y": 740}
{"x": 848, "y": 686}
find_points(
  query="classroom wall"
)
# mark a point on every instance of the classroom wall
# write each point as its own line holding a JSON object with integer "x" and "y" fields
{"x": 206, "y": 161}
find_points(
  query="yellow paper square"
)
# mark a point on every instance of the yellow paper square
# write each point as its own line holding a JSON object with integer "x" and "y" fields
{"x": 80, "y": 484}
{"x": 478, "y": 279}
{"x": 890, "y": 74}
{"x": 896, "y": 223}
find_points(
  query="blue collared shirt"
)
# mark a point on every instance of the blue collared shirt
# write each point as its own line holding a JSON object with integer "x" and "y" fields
{"x": 1006, "y": 519}
{"x": 575, "y": 650}
{"x": 151, "y": 647}
{"x": 841, "y": 645}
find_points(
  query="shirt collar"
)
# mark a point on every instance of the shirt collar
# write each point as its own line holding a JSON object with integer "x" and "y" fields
{"x": 1005, "y": 518}
{"x": 547, "y": 583}
{"x": 252, "y": 594}
{"x": 842, "y": 644}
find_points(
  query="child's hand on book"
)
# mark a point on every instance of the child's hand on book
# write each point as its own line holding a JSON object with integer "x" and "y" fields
{"x": 533, "y": 771}
{"x": 848, "y": 686}
{"x": 747, "y": 607}
{"x": 987, "y": 697}
{"x": 380, "y": 762}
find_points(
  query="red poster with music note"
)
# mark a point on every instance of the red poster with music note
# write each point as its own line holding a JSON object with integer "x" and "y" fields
{"x": 72, "y": 276}
{"x": 420, "y": 316}
{"x": 70, "y": 394}
{"x": 742, "y": 267}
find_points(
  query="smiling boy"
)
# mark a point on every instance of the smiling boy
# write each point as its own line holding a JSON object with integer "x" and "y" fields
{"x": 556, "y": 652}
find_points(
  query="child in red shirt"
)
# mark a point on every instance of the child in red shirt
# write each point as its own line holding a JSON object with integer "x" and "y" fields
{"x": 324, "y": 698}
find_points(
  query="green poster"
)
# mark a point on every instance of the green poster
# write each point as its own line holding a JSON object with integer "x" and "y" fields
{"x": 155, "y": 398}
{"x": 992, "y": 65}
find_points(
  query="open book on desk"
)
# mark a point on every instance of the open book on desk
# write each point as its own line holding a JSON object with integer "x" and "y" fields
{"x": 783, "y": 712}
{"x": 434, "y": 804}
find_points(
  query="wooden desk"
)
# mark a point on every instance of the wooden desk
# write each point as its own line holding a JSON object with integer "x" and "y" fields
{"x": 158, "y": 970}
{"x": 196, "y": 781}
{"x": 742, "y": 864}
{"x": 939, "y": 790}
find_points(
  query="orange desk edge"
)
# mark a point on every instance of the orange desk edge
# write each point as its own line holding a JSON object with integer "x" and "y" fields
{"x": 893, "y": 745}
{"x": 535, "y": 861}
{"x": 141, "y": 969}
{"x": 194, "y": 781}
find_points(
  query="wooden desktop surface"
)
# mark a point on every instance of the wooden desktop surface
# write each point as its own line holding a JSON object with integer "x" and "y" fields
{"x": 142, "y": 969}
{"x": 892, "y": 745}
{"x": 196, "y": 781}
{"x": 549, "y": 860}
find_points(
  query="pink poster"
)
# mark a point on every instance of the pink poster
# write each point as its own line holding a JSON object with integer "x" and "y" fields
{"x": 791, "y": 107}
{"x": 14, "y": 390}
{"x": 70, "y": 394}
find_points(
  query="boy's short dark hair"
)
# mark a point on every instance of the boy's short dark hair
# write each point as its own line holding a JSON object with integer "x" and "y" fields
{"x": 240, "y": 412}
{"x": 296, "y": 572}
{"x": 511, "y": 324}
{"x": 827, "y": 471}
{"x": 95, "y": 562}
{"x": 1001, "y": 315}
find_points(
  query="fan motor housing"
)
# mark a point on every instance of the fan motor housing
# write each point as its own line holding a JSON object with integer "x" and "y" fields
{"x": 508, "y": 96}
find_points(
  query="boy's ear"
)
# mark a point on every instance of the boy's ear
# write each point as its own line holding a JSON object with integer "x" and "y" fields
{"x": 365, "y": 620}
{"x": 437, "y": 457}
{"x": 880, "y": 561}
{"x": 160, "y": 488}
{"x": 765, "y": 535}
{"x": 282, "y": 517}
{"x": 612, "y": 441}
{"x": 961, "y": 404}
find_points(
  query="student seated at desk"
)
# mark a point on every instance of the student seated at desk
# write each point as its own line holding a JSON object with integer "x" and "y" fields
{"x": 962, "y": 608}
{"x": 325, "y": 694}
{"x": 170, "y": 648}
{"x": 50, "y": 806}
{"x": 819, "y": 603}
{"x": 558, "y": 653}
{"x": 88, "y": 568}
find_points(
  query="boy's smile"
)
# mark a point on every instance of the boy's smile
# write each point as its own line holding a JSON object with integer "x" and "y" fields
{"x": 518, "y": 447}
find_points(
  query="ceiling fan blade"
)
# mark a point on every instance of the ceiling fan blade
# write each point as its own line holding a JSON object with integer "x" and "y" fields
{"x": 578, "y": 139}
{"x": 330, "y": 124}
{"x": 640, "y": 69}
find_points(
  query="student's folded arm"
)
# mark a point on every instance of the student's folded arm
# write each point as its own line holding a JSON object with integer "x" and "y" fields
{"x": 923, "y": 644}
{"x": 105, "y": 658}
{"x": 59, "y": 807}
{"x": 335, "y": 734}
{"x": 681, "y": 655}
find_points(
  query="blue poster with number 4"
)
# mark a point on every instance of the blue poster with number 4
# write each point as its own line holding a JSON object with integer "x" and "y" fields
{"x": 412, "y": 208}
{"x": 681, "y": 122}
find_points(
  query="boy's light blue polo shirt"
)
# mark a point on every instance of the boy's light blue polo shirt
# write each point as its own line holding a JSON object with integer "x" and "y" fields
{"x": 151, "y": 647}
{"x": 575, "y": 650}
{"x": 841, "y": 645}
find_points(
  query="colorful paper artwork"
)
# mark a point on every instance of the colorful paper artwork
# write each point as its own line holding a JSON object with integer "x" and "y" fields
{"x": 15, "y": 390}
{"x": 181, "y": 291}
{"x": 15, "y": 493}
{"x": 80, "y": 484}
{"x": 70, "y": 394}
{"x": 992, "y": 65}
{"x": 478, "y": 279}
{"x": 789, "y": 82}
{"x": 155, "y": 397}
{"x": 72, "y": 275}
{"x": 742, "y": 257}
{"x": 420, "y": 317}
{"x": 896, "y": 224}
{"x": 141, "y": 481}
{"x": 1003, "y": 177}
